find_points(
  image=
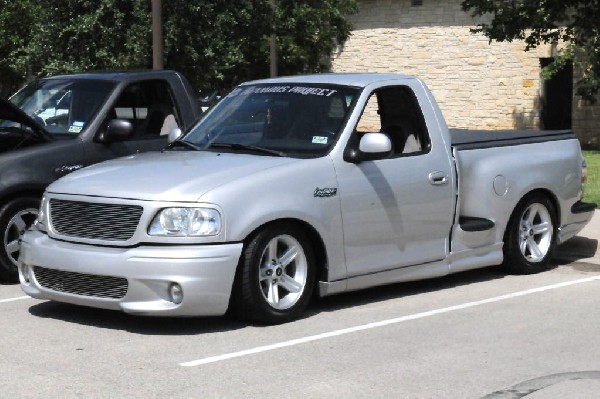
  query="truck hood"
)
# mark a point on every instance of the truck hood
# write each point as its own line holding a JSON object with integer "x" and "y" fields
{"x": 178, "y": 176}
{"x": 13, "y": 137}
{"x": 10, "y": 112}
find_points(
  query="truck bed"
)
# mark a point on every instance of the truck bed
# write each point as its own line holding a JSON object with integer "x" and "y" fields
{"x": 465, "y": 139}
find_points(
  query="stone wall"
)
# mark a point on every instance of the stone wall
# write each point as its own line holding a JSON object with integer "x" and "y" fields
{"x": 479, "y": 85}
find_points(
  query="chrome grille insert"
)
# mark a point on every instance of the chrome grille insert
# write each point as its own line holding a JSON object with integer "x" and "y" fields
{"x": 111, "y": 222}
{"x": 81, "y": 284}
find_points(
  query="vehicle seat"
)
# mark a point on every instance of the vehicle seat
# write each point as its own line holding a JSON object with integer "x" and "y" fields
{"x": 155, "y": 121}
{"x": 404, "y": 140}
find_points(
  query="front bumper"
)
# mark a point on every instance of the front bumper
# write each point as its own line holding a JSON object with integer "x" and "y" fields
{"x": 204, "y": 272}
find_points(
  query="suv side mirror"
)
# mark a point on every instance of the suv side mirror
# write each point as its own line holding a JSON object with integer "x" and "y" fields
{"x": 117, "y": 130}
{"x": 372, "y": 146}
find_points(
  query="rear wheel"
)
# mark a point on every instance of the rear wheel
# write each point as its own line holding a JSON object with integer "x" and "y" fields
{"x": 276, "y": 276}
{"x": 530, "y": 236}
{"x": 16, "y": 216}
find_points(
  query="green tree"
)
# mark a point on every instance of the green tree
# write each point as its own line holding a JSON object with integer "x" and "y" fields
{"x": 215, "y": 43}
{"x": 75, "y": 35}
{"x": 309, "y": 31}
{"x": 571, "y": 22}
{"x": 220, "y": 43}
{"x": 16, "y": 19}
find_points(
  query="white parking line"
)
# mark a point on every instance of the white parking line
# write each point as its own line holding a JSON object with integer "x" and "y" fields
{"x": 14, "y": 299}
{"x": 383, "y": 323}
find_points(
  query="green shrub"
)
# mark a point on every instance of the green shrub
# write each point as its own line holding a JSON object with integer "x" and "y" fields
{"x": 592, "y": 188}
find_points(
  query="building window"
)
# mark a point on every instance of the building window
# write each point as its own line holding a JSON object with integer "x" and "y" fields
{"x": 416, "y": 3}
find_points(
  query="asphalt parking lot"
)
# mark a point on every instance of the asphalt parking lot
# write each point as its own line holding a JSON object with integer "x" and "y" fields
{"x": 471, "y": 335}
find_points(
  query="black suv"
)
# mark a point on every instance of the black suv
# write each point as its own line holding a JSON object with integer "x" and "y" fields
{"x": 56, "y": 125}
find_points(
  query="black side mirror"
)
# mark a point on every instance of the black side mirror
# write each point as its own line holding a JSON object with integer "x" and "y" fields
{"x": 117, "y": 130}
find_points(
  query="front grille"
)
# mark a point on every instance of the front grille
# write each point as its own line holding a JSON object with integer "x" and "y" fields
{"x": 111, "y": 222}
{"x": 81, "y": 284}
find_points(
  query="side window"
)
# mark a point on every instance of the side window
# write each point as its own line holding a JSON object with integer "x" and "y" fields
{"x": 150, "y": 108}
{"x": 369, "y": 120}
{"x": 396, "y": 112}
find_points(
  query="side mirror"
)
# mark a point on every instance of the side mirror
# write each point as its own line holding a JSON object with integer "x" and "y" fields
{"x": 117, "y": 130}
{"x": 174, "y": 134}
{"x": 372, "y": 146}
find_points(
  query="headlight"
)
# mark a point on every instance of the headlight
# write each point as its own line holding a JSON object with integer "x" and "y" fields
{"x": 41, "y": 222}
{"x": 184, "y": 222}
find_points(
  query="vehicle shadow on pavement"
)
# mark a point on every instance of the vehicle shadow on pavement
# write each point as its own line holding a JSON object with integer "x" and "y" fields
{"x": 404, "y": 289}
{"x": 577, "y": 248}
{"x": 144, "y": 325}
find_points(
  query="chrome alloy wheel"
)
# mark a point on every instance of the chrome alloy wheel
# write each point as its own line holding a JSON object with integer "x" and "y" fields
{"x": 536, "y": 230}
{"x": 15, "y": 229}
{"x": 283, "y": 272}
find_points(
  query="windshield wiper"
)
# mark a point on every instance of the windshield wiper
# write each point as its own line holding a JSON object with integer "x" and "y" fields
{"x": 238, "y": 146}
{"x": 183, "y": 143}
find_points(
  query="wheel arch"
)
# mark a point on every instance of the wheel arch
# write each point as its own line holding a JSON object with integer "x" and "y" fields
{"x": 8, "y": 196}
{"x": 539, "y": 191}
{"x": 318, "y": 245}
{"x": 9, "y": 208}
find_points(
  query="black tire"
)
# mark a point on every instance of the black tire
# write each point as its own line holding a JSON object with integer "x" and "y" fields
{"x": 270, "y": 288}
{"x": 15, "y": 217}
{"x": 530, "y": 237}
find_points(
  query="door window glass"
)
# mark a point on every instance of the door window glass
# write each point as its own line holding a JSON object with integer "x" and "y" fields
{"x": 395, "y": 111}
{"x": 150, "y": 108}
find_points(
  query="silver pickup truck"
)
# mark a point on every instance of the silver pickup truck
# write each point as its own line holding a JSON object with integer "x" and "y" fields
{"x": 298, "y": 186}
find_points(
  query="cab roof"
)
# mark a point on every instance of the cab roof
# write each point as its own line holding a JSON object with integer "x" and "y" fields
{"x": 347, "y": 79}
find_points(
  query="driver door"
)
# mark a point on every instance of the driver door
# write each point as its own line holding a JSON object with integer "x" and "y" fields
{"x": 149, "y": 107}
{"x": 396, "y": 211}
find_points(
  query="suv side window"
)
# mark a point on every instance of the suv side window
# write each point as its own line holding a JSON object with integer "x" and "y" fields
{"x": 395, "y": 111}
{"x": 150, "y": 108}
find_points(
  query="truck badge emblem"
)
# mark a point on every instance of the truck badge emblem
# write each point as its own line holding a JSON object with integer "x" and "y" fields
{"x": 325, "y": 192}
{"x": 68, "y": 169}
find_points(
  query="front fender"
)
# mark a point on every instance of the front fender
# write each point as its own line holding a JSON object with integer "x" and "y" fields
{"x": 306, "y": 191}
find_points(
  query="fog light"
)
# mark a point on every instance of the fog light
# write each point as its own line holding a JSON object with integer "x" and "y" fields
{"x": 25, "y": 273}
{"x": 176, "y": 293}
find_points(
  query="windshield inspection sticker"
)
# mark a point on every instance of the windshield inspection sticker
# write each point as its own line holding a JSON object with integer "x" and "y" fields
{"x": 319, "y": 140}
{"x": 76, "y": 127}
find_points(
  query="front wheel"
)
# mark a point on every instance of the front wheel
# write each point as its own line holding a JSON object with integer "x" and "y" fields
{"x": 530, "y": 236}
{"x": 16, "y": 216}
{"x": 276, "y": 276}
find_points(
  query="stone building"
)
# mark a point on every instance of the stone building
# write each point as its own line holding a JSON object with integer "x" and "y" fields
{"x": 478, "y": 84}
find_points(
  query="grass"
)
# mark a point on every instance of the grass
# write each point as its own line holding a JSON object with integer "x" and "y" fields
{"x": 592, "y": 188}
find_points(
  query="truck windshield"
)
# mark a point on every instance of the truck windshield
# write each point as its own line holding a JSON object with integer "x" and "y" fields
{"x": 301, "y": 120}
{"x": 62, "y": 106}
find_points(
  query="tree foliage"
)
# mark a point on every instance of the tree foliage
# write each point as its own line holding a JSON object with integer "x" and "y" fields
{"x": 16, "y": 19}
{"x": 574, "y": 23}
{"x": 215, "y": 43}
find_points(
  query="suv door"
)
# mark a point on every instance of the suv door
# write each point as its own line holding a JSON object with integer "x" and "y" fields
{"x": 152, "y": 112}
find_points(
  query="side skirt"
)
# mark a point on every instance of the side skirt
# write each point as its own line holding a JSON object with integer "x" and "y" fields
{"x": 457, "y": 262}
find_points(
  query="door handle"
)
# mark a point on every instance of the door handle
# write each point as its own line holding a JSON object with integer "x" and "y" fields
{"x": 438, "y": 178}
